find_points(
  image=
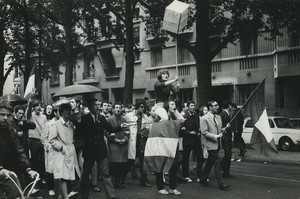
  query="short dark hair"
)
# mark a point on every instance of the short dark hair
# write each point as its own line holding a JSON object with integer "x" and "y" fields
{"x": 138, "y": 104}
{"x": 5, "y": 105}
{"x": 209, "y": 103}
{"x": 160, "y": 72}
{"x": 64, "y": 107}
{"x": 233, "y": 105}
{"x": 19, "y": 107}
{"x": 36, "y": 103}
{"x": 190, "y": 102}
{"x": 77, "y": 100}
{"x": 116, "y": 103}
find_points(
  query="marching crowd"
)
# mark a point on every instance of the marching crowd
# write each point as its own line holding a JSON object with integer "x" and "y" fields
{"x": 79, "y": 143}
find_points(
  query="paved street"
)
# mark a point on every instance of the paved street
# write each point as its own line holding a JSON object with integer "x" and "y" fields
{"x": 254, "y": 180}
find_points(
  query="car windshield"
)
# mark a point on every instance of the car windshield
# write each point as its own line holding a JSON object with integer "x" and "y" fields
{"x": 283, "y": 123}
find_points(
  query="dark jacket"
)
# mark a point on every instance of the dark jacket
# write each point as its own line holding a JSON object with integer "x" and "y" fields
{"x": 192, "y": 123}
{"x": 12, "y": 155}
{"x": 94, "y": 146}
{"x": 163, "y": 92}
{"x": 117, "y": 152}
{"x": 23, "y": 128}
{"x": 225, "y": 117}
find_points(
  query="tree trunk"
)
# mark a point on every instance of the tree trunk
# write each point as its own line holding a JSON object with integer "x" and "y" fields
{"x": 2, "y": 56}
{"x": 129, "y": 57}
{"x": 202, "y": 58}
{"x": 28, "y": 66}
{"x": 69, "y": 43}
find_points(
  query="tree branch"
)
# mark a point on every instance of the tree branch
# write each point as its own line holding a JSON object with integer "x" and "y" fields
{"x": 228, "y": 38}
{"x": 187, "y": 45}
{"x": 50, "y": 15}
{"x": 150, "y": 8}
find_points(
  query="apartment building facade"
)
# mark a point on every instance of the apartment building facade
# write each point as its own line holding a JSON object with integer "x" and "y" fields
{"x": 236, "y": 70}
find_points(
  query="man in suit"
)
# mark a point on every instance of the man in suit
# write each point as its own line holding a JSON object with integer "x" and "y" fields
{"x": 211, "y": 129}
{"x": 94, "y": 149}
{"x": 226, "y": 139}
{"x": 191, "y": 141}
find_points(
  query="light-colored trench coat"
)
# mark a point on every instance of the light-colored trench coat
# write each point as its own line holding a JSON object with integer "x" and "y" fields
{"x": 66, "y": 163}
{"x": 48, "y": 149}
{"x": 131, "y": 119}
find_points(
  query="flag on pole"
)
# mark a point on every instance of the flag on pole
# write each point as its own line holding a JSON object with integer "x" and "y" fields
{"x": 33, "y": 81}
{"x": 161, "y": 146}
{"x": 262, "y": 137}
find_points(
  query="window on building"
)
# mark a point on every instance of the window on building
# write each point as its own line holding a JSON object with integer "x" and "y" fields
{"x": 16, "y": 72}
{"x": 136, "y": 14}
{"x": 108, "y": 62}
{"x": 183, "y": 55}
{"x": 105, "y": 95}
{"x": 298, "y": 96}
{"x": 214, "y": 42}
{"x": 245, "y": 92}
{"x": 104, "y": 21}
{"x": 90, "y": 29}
{"x": 280, "y": 94}
{"x": 17, "y": 89}
{"x": 118, "y": 94}
{"x": 248, "y": 44}
{"x": 156, "y": 56}
{"x": 136, "y": 37}
{"x": 185, "y": 95}
{"x": 88, "y": 62}
{"x": 294, "y": 40}
{"x": 54, "y": 79}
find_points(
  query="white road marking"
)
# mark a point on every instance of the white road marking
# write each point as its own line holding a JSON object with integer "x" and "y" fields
{"x": 265, "y": 177}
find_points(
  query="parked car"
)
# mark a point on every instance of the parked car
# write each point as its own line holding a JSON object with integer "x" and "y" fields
{"x": 284, "y": 133}
{"x": 295, "y": 122}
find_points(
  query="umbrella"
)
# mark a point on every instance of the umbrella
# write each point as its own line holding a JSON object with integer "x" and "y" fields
{"x": 14, "y": 99}
{"x": 61, "y": 101}
{"x": 77, "y": 89}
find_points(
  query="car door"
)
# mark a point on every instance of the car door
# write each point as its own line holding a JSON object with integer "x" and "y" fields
{"x": 247, "y": 131}
{"x": 275, "y": 131}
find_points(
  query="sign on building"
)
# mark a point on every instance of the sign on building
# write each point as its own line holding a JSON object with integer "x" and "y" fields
{"x": 176, "y": 16}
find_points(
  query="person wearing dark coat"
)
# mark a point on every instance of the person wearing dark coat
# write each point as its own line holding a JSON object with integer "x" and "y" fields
{"x": 92, "y": 127}
{"x": 191, "y": 141}
{"x": 12, "y": 155}
{"x": 226, "y": 139}
{"x": 22, "y": 126}
{"x": 118, "y": 147}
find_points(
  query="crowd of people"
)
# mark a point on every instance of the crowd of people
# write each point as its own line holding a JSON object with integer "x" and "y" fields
{"x": 75, "y": 143}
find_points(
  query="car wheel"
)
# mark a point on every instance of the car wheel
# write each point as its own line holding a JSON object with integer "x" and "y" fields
{"x": 285, "y": 144}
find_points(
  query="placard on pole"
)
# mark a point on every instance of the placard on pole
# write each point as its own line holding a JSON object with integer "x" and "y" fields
{"x": 175, "y": 19}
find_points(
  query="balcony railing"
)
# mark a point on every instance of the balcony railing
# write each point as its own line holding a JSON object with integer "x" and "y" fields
{"x": 248, "y": 63}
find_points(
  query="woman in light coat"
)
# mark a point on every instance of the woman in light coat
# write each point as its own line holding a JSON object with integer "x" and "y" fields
{"x": 48, "y": 149}
{"x": 64, "y": 155}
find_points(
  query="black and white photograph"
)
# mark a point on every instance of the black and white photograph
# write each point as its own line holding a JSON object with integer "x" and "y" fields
{"x": 143, "y": 99}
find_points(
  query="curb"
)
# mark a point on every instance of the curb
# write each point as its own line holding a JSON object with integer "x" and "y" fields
{"x": 271, "y": 161}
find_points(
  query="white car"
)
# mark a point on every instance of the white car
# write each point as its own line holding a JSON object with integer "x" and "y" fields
{"x": 284, "y": 133}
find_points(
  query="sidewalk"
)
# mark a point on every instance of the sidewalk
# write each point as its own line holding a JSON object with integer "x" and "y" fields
{"x": 283, "y": 157}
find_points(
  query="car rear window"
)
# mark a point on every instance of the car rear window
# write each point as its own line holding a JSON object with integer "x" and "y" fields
{"x": 249, "y": 124}
{"x": 283, "y": 123}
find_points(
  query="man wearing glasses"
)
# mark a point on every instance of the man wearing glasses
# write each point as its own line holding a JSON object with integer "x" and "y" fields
{"x": 211, "y": 129}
